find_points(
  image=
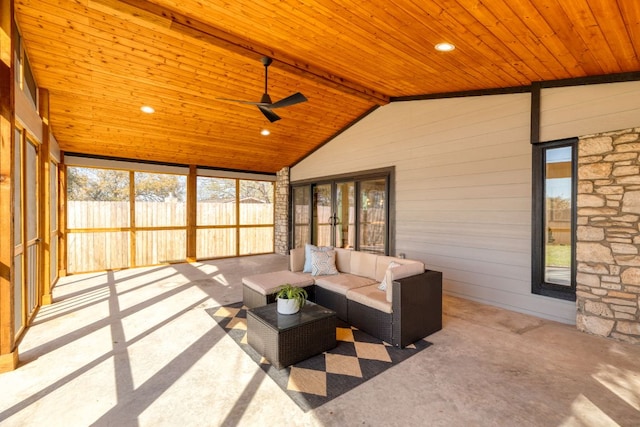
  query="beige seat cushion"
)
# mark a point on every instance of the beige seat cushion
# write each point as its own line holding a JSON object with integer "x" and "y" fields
{"x": 371, "y": 296}
{"x": 268, "y": 283}
{"x": 342, "y": 282}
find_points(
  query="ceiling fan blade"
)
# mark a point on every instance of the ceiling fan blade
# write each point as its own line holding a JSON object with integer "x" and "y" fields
{"x": 264, "y": 104}
{"x": 270, "y": 115}
{"x": 294, "y": 99}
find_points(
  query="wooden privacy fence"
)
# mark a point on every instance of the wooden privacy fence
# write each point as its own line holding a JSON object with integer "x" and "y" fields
{"x": 99, "y": 236}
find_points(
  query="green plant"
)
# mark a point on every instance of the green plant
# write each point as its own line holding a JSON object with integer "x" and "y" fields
{"x": 288, "y": 291}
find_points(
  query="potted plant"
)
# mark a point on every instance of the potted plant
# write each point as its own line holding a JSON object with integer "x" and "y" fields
{"x": 290, "y": 299}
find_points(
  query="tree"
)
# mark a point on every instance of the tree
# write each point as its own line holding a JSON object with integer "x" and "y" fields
{"x": 158, "y": 187}
{"x": 97, "y": 184}
{"x": 259, "y": 190}
{"x": 216, "y": 189}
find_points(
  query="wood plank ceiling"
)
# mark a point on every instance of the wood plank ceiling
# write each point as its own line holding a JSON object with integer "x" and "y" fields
{"x": 102, "y": 59}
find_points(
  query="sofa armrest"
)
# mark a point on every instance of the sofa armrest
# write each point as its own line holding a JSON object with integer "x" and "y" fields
{"x": 417, "y": 307}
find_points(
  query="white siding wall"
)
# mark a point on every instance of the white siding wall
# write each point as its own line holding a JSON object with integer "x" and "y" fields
{"x": 463, "y": 191}
{"x": 584, "y": 110}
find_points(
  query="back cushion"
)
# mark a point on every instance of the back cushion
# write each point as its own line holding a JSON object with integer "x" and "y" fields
{"x": 381, "y": 266}
{"x": 343, "y": 260}
{"x": 363, "y": 264}
{"x": 296, "y": 260}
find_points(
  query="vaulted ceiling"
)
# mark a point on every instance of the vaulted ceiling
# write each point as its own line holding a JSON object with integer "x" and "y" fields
{"x": 101, "y": 60}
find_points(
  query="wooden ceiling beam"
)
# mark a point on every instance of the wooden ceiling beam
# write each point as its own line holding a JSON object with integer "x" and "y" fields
{"x": 203, "y": 31}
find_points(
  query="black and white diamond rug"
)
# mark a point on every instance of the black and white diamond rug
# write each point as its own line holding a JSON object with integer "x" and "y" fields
{"x": 357, "y": 358}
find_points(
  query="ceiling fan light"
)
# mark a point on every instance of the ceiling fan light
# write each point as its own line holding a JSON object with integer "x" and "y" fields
{"x": 147, "y": 109}
{"x": 444, "y": 47}
{"x": 265, "y": 132}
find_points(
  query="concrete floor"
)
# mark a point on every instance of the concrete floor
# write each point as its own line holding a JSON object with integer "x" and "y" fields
{"x": 136, "y": 348}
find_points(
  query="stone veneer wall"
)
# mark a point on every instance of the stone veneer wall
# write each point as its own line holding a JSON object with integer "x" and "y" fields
{"x": 281, "y": 234}
{"x": 608, "y": 235}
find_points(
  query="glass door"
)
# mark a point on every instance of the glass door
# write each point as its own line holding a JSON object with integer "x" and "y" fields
{"x": 301, "y": 216}
{"x": 372, "y": 236}
{"x": 344, "y": 218}
{"x": 350, "y": 212}
{"x": 323, "y": 219}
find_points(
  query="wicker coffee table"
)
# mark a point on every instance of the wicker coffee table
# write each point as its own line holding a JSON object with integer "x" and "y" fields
{"x": 285, "y": 339}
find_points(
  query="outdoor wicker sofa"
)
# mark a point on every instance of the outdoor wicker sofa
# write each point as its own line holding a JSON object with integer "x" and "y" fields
{"x": 409, "y": 309}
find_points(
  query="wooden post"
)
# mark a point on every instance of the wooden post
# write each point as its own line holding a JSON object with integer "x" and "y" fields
{"x": 45, "y": 200}
{"x": 8, "y": 348}
{"x": 192, "y": 214}
{"x": 132, "y": 220}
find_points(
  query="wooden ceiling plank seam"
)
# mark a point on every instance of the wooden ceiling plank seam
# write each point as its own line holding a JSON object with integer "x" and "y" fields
{"x": 487, "y": 44}
{"x": 465, "y": 58}
{"x": 565, "y": 31}
{"x": 616, "y": 34}
{"x": 525, "y": 43}
{"x": 495, "y": 64}
{"x": 502, "y": 38}
{"x": 346, "y": 32}
{"x": 631, "y": 16}
{"x": 417, "y": 44}
{"x": 593, "y": 39}
{"x": 546, "y": 36}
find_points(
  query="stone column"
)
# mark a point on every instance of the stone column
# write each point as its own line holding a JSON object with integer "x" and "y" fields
{"x": 608, "y": 235}
{"x": 281, "y": 234}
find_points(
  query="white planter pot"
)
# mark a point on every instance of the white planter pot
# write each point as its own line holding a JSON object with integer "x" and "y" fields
{"x": 287, "y": 306}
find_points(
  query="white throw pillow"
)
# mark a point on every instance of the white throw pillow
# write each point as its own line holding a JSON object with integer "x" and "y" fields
{"x": 323, "y": 263}
{"x": 307, "y": 255}
{"x": 383, "y": 285}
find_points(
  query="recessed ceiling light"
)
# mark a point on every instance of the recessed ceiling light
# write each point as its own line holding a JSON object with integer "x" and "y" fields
{"x": 444, "y": 47}
{"x": 147, "y": 109}
{"x": 265, "y": 132}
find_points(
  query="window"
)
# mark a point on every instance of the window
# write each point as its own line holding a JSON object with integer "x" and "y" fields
{"x": 234, "y": 217}
{"x": 98, "y": 219}
{"x": 554, "y": 218}
{"x": 216, "y": 217}
{"x": 160, "y": 217}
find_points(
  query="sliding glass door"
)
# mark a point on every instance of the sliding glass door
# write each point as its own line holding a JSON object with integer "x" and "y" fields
{"x": 350, "y": 213}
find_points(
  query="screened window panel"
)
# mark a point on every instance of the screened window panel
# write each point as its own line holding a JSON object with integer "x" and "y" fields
{"x": 97, "y": 198}
{"x": 17, "y": 194}
{"x": 216, "y": 242}
{"x": 31, "y": 207}
{"x": 256, "y": 240}
{"x": 160, "y": 200}
{"x": 216, "y": 201}
{"x": 256, "y": 202}
{"x": 97, "y": 251}
{"x": 160, "y": 246}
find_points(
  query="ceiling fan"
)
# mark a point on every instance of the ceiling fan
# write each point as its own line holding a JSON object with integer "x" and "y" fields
{"x": 265, "y": 105}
